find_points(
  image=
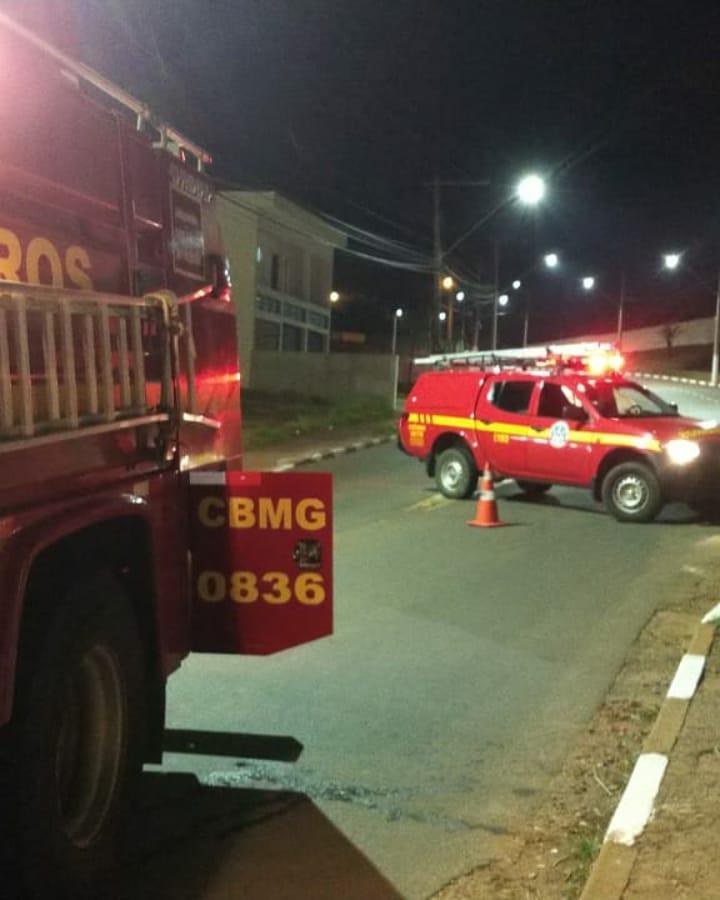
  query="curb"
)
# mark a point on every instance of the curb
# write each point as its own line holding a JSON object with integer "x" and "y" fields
{"x": 284, "y": 465}
{"x": 674, "y": 378}
{"x": 611, "y": 871}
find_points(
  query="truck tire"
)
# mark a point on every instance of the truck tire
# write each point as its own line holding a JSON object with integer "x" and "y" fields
{"x": 631, "y": 492}
{"x": 533, "y": 488}
{"x": 456, "y": 474}
{"x": 77, "y": 741}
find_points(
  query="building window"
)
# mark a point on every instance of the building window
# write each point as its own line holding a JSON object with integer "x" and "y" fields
{"x": 275, "y": 272}
{"x": 291, "y": 311}
{"x": 268, "y": 305}
{"x": 267, "y": 335}
{"x": 317, "y": 320}
{"x": 315, "y": 342}
{"x": 292, "y": 337}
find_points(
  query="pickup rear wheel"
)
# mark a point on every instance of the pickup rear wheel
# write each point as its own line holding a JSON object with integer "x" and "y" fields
{"x": 77, "y": 741}
{"x": 456, "y": 474}
{"x": 631, "y": 493}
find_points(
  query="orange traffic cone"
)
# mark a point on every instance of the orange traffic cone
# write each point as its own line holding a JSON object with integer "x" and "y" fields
{"x": 486, "y": 514}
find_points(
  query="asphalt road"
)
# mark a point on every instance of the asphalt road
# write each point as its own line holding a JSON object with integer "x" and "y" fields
{"x": 463, "y": 664}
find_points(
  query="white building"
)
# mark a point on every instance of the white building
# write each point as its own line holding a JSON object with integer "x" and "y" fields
{"x": 281, "y": 264}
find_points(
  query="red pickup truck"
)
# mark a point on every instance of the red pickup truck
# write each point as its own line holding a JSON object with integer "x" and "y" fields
{"x": 559, "y": 421}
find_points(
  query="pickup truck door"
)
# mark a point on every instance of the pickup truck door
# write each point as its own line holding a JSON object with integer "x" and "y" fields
{"x": 502, "y": 422}
{"x": 552, "y": 453}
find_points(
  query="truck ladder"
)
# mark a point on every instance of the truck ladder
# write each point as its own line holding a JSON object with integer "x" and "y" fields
{"x": 74, "y": 359}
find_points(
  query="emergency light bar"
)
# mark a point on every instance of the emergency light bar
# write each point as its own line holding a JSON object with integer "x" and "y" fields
{"x": 595, "y": 357}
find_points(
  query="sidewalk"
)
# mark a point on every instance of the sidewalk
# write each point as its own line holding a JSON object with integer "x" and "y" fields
{"x": 291, "y": 454}
{"x": 677, "y": 857}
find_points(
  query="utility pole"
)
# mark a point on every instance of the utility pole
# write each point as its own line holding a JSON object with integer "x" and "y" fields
{"x": 621, "y": 309}
{"x": 716, "y": 337}
{"x": 435, "y": 328}
{"x": 496, "y": 291}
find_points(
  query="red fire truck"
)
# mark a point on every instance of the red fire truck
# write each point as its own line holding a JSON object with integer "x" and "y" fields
{"x": 129, "y": 536}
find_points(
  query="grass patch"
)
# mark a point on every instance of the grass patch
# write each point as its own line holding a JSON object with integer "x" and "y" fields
{"x": 271, "y": 419}
{"x": 586, "y": 850}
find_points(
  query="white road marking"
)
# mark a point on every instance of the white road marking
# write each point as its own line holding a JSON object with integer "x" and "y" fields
{"x": 712, "y": 615}
{"x": 687, "y": 677}
{"x": 636, "y": 805}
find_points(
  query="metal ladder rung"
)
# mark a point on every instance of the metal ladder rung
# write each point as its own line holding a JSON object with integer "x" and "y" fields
{"x": 7, "y": 415}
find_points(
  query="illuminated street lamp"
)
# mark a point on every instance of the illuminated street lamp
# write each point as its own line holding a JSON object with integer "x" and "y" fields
{"x": 588, "y": 282}
{"x": 671, "y": 261}
{"x": 503, "y": 300}
{"x": 530, "y": 190}
{"x": 551, "y": 260}
{"x": 517, "y": 284}
{"x": 460, "y": 296}
{"x": 334, "y": 296}
{"x": 398, "y": 315}
{"x": 448, "y": 283}
{"x": 442, "y": 315}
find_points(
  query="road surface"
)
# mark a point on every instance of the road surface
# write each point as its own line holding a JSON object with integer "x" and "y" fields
{"x": 463, "y": 664}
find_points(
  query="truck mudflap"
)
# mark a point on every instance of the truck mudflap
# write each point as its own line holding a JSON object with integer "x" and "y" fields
{"x": 261, "y": 546}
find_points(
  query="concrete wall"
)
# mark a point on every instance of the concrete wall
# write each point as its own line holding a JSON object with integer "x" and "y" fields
{"x": 691, "y": 333}
{"x": 326, "y": 375}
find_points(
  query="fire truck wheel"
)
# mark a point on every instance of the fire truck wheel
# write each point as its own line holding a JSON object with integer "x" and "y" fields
{"x": 456, "y": 474}
{"x": 534, "y": 488}
{"x": 631, "y": 493}
{"x": 78, "y": 740}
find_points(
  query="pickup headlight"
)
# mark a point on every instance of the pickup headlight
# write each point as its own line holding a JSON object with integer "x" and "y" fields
{"x": 682, "y": 452}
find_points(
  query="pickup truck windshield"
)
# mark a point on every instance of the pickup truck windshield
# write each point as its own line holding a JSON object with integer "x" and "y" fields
{"x": 625, "y": 400}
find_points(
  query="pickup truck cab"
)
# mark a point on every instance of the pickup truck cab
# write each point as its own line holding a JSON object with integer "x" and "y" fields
{"x": 559, "y": 423}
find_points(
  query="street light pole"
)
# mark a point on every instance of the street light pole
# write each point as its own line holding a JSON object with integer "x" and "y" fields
{"x": 396, "y": 316}
{"x": 437, "y": 267}
{"x": 716, "y": 337}
{"x": 621, "y": 309}
{"x": 496, "y": 291}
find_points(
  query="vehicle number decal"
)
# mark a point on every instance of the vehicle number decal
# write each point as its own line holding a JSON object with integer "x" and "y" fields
{"x": 275, "y": 588}
{"x": 559, "y": 434}
{"x": 499, "y": 438}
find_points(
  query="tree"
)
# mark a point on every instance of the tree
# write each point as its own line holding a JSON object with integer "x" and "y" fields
{"x": 669, "y": 332}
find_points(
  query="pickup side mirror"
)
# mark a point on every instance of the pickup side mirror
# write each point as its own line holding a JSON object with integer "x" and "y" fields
{"x": 574, "y": 413}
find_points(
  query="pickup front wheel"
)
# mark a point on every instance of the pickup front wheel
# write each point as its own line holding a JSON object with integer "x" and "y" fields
{"x": 631, "y": 493}
{"x": 456, "y": 474}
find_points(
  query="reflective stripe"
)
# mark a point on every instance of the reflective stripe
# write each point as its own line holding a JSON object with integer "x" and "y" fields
{"x": 604, "y": 438}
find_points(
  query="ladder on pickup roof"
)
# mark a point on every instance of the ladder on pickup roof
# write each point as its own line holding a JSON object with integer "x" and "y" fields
{"x": 72, "y": 360}
{"x": 522, "y": 357}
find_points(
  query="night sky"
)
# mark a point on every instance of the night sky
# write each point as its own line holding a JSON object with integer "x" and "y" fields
{"x": 353, "y": 107}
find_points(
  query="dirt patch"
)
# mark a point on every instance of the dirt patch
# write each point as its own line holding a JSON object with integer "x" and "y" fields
{"x": 550, "y": 856}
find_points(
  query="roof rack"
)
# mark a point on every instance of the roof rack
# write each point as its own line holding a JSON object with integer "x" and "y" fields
{"x": 521, "y": 357}
{"x": 142, "y": 111}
